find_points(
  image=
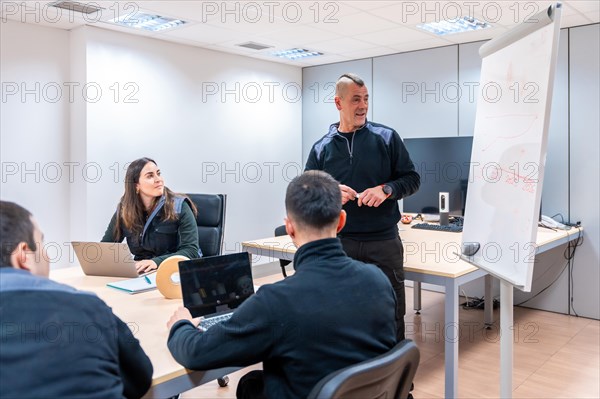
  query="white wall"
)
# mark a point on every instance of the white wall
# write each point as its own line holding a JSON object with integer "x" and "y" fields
{"x": 214, "y": 122}
{"x": 416, "y": 94}
{"x": 34, "y": 131}
{"x": 147, "y": 97}
{"x": 584, "y": 171}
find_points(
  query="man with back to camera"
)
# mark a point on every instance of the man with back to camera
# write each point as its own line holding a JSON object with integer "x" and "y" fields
{"x": 333, "y": 312}
{"x": 57, "y": 342}
{"x": 375, "y": 171}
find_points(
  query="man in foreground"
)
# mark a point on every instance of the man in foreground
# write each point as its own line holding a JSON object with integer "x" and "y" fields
{"x": 57, "y": 342}
{"x": 333, "y": 312}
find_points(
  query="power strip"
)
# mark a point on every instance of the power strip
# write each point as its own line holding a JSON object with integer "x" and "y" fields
{"x": 478, "y": 303}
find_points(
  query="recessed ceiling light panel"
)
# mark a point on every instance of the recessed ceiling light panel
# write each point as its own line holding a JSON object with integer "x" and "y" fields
{"x": 459, "y": 25}
{"x": 296, "y": 53}
{"x": 150, "y": 22}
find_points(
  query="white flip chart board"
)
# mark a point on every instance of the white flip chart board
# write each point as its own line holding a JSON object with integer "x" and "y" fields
{"x": 509, "y": 148}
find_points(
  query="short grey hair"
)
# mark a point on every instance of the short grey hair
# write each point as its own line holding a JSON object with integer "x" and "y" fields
{"x": 346, "y": 79}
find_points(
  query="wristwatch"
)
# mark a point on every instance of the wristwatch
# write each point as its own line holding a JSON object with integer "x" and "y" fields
{"x": 387, "y": 190}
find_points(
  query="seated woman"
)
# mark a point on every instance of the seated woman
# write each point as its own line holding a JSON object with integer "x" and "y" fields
{"x": 156, "y": 222}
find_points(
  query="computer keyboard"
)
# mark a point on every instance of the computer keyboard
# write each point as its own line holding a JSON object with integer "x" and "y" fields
{"x": 453, "y": 228}
{"x": 207, "y": 323}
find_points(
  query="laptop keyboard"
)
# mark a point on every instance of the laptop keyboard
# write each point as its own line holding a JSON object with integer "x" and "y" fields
{"x": 207, "y": 323}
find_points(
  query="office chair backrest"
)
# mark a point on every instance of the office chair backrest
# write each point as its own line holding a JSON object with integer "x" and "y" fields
{"x": 210, "y": 221}
{"x": 280, "y": 231}
{"x": 389, "y": 376}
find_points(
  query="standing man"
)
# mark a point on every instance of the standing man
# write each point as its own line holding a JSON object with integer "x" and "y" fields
{"x": 55, "y": 341}
{"x": 375, "y": 171}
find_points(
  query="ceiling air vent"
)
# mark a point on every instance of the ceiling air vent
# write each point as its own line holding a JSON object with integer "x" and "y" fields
{"x": 75, "y": 6}
{"x": 254, "y": 45}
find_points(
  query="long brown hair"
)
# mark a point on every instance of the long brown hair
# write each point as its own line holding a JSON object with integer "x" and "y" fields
{"x": 131, "y": 212}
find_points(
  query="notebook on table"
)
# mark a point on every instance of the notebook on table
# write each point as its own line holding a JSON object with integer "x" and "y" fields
{"x": 136, "y": 285}
{"x": 215, "y": 286}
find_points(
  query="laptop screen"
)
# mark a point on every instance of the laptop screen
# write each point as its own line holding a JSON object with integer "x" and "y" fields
{"x": 216, "y": 284}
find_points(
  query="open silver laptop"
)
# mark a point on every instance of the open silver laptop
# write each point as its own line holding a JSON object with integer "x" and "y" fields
{"x": 111, "y": 259}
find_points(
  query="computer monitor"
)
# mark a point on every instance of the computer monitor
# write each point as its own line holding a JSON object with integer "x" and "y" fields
{"x": 444, "y": 165}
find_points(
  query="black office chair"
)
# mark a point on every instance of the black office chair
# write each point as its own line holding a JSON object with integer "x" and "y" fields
{"x": 210, "y": 221}
{"x": 389, "y": 375}
{"x": 211, "y": 230}
{"x": 280, "y": 231}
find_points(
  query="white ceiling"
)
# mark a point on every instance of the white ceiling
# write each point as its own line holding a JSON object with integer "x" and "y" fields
{"x": 341, "y": 30}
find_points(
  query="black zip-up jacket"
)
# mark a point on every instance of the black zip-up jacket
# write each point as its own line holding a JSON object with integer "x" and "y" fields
{"x": 374, "y": 155}
{"x": 333, "y": 312}
{"x": 57, "y": 342}
{"x": 160, "y": 238}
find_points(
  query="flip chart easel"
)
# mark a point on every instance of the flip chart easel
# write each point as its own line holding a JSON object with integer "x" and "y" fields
{"x": 507, "y": 162}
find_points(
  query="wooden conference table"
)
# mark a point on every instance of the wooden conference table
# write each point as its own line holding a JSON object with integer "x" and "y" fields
{"x": 431, "y": 257}
{"x": 146, "y": 314}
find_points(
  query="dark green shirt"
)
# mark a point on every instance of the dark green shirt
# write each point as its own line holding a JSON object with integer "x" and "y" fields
{"x": 161, "y": 239}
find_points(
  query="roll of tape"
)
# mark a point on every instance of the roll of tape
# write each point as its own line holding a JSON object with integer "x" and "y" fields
{"x": 167, "y": 277}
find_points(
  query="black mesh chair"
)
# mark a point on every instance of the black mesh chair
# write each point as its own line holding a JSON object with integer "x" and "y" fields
{"x": 210, "y": 221}
{"x": 280, "y": 231}
{"x": 389, "y": 375}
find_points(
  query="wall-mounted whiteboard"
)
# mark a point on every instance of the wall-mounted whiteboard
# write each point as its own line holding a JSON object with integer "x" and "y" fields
{"x": 509, "y": 148}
